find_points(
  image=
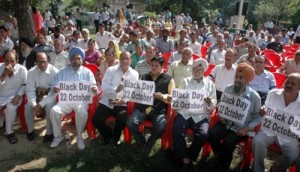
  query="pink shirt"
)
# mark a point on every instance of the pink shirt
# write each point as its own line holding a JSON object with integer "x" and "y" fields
{"x": 93, "y": 57}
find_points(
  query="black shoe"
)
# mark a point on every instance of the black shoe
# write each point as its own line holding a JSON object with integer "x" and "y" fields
{"x": 12, "y": 138}
{"x": 48, "y": 138}
{"x": 30, "y": 136}
{"x": 106, "y": 141}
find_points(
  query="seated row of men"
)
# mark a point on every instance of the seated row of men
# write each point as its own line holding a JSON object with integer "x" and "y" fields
{"x": 45, "y": 78}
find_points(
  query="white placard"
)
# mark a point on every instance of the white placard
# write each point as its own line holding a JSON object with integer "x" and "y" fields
{"x": 233, "y": 108}
{"x": 282, "y": 123}
{"x": 75, "y": 92}
{"x": 188, "y": 99}
{"x": 139, "y": 91}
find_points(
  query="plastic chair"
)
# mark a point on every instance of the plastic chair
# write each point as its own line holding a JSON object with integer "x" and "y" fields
{"x": 203, "y": 51}
{"x": 209, "y": 69}
{"x": 166, "y": 56}
{"x": 287, "y": 55}
{"x": 92, "y": 67}
{"x": 208, "y": 44}
{"x": 275, "y": 59}
{"x": 1, "y": 59}
{"x": 165, "y": 140}
{"x": 295, "y": 46}
{"x": 266, "y": 51}
{"x": 195, "y": 56}
{"x": 279, "y": 78}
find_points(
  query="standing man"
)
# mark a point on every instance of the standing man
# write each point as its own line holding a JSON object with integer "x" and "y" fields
{"x": 287, "y": 100}
{"x": 112, "y": 102}
{"x": 196, "y": 119}
{"x": 96, "y": 17}
{"x": 224, "y": 136}
{"x": 156, "y": 113}
{"x": 38, "y": 85}
{"x": 12, "y": 87}
{"x": 73, "y": 72}
{"x": 78, "y": 17}
{"x": 103, "y": 37}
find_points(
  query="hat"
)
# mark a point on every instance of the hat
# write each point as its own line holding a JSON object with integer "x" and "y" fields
{"x": 201, "y": 62}
{"x": 247, "y": 71}
{"x": 3, "y": 27}
{"x": 27, "y": 41}
{"x": 76, "y": 50}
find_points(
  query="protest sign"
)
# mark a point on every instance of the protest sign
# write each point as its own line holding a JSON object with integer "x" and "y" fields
{"x": 187, "y": 99}
{"x": 139, "y": 91}
{"x": 233, "y": 108}
{"x": 75, "y": 92}
{"x": 282, "y": 123}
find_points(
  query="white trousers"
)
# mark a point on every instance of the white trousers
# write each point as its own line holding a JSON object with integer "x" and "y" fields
{"x": 29, "y": 116}
{"x": 9, "y": 113}
{"x": 59, "y": 110}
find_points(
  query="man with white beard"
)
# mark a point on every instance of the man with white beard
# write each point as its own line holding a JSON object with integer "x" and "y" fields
{"x": 26, "y": 56}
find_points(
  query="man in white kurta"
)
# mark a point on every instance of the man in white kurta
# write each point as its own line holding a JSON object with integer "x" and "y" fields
{"x": 12, "y": 88}
{"x": 37, "y": 85}
{"x": 73, "y": 72}
{"x": 288, "y": 100}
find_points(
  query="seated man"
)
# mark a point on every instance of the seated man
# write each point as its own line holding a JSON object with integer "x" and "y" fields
{"x": 175, "y": 56}
{"x": 197, "y": 120}
{"x": 156, "y": 113}
{"x": 73, "y": 72}
{"x": 112, "y": 102}
{"x": 276, "y": 45}
{"x": 226, "y": 134}
{"x": 248, "y": 58}
{"x": 223, "y": 74}
{"x": 144, "y": 66}
{"x": 12, "y": 88}
{"x": 288, "y": 100}
{"x": 182, "y": 68}
{"x": 264, "y": 80}
{"x": 38, "y": 85}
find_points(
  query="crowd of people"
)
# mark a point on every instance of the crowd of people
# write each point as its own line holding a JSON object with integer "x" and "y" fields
{"x": 171, "y": 52}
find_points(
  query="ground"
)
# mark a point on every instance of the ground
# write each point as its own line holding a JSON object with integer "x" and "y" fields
{"x": 37, "y": 156}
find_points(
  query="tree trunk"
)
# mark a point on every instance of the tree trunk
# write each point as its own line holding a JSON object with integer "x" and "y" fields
{"x": 24, "y": 18}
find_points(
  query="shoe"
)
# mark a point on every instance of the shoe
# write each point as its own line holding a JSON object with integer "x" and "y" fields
{"x": 30, "y": 136}
{"x": 80, "y": 144}
{"x": 12, "y": 138}
{"x": 106, "y": 141}
{"x": 56, "y": 141}
{"x": 188, "y": 167}
{"x": 48, "y": 138}
{"x": 116, "y": 142}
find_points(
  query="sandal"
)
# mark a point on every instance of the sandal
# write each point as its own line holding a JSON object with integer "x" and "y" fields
{"x": 12, "y": 138}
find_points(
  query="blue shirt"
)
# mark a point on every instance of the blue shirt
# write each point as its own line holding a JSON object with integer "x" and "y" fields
{"x": 253, "y": 118}
{"x": 69, "y": 74}
{"x": 165, "y": 46}
{"x": 131, "y": 46}
{"x": 264, "y": 82}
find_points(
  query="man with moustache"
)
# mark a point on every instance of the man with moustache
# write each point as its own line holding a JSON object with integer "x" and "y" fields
{"x": 38, "y": 85}
{"x": 286, "y": 99}
{"x": 157, "y": 112}
{"x": 27, "y": 56}
{"x": 197, "y": 120}
{"x": 144, "y": 66}
{"x": 226, "y": 134}
{"x": 12, "y": 88}
{"x": 165, "y": 44}
{"x": 112, "y": 102}
{"x": 72, "y": 72}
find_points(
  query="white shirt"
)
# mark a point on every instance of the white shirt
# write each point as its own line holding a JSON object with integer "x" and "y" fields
{"x": 105, "y": 15}
{"x": 217, "y": 57}
{"x": 222, "y": 76}
{"x": 14, "y": 33}
{"x": 151, "y": 42}
{"x": 175, "y": 56}
{"x": 14, "y": 85}
{"x": 206, "y": 85}
{"x": 275, "y": 99}
{"x": 51, "y": 23}
{"x": 96, "y": 16}
{"x": 61, "y": 38}
{"x": 111, "y": 80}
{"x": 195, "y": 47}
{"x": 103, "y": 40}
{"x": 59, "y": 60}
{"x": 179, "y": 23}
{"x": 47, "y": 15}
{"x": 297, "y": 33}
{"x": 37, "y": 78}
